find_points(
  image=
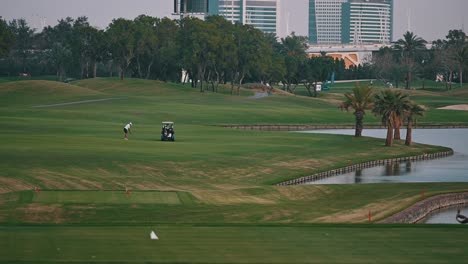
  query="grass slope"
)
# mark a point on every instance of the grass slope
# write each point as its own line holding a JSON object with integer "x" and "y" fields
{"x": 209, "y": 176}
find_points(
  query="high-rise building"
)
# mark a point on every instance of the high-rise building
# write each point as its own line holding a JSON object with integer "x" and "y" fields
{"x": 325, "y": 21}
{"x": 189, "y": 7}
{"x": 367, "y": 21}
{"x": 350, "y": 21}
{"x": 262, "y": 14}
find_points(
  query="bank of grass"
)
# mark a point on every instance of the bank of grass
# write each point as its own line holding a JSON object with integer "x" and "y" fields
{"x": 208, "y": 176}
{"x": 255, "y": 205}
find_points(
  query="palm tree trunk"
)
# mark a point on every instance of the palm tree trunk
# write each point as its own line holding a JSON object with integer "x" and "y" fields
{"x": 408, "y": 81}
{"x": 397, "y": 129}
{"x": 409, "y": 131}
{"x": 359, "y": 123}
{"x": 389, "y": 140}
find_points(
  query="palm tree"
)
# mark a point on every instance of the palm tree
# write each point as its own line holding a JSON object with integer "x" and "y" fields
{"x": 409, "y": 46}
{"x": 411, "y": 115}
{"x": 390, "y": 105}
{"x": 360, "y": 100}
{"x": 460, "y": 57}
{"x": 403, "y": 103}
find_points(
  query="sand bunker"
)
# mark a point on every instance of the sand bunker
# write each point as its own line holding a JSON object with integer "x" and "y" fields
{"x": 462, "y": 107}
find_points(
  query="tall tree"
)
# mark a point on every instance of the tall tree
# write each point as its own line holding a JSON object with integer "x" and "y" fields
{"x": 412, "y": 113}
{"x": 7, "y": 38}
{"x": 147, "y": 46}
{"x": 460, "y": 57}
{"x": 253, "y": 52}
{"x": 23, "y": 45}
{"x": 87, "y": 42}
{"x": 277, "y": 68}
{"x": 390, "y": 105}
{"x": 295, "y": 57}
{"x": 58, "y": 45}
{"x": 458, "y": 51}
{"x": 409, "y": 48}
{"x": 123, "y": 43}
{"x": 402, "y": 104}
{"x": 199, "y": 41}
{"x": 315, "y": 70}
{"x": 386, "y": 67}
{"x": 225, "y": 52}
{"x": 360, "y": 100}
{"x": 167, "y": 59}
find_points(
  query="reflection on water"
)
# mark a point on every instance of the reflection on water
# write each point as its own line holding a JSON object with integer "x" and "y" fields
{"x": 449, "y": 169}
{"x": 397, "y": 169}
{"x": 445, "y": 215}
{"x": 394, "y": 169}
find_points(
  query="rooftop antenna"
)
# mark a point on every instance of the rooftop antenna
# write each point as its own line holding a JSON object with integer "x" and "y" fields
{"x": 462, "y": 23}
{"x": 409, "y": 19}
{"x": 287, "y": 24}
{"x": 43, "y": 22}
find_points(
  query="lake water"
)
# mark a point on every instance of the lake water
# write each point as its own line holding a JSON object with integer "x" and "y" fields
{"x": 445, "y": 215}
{"x": 450, "y": 169}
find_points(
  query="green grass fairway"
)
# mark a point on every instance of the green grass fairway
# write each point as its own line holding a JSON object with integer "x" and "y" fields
{"x": 209, "y": 195}
{"x": 234, "y": 244}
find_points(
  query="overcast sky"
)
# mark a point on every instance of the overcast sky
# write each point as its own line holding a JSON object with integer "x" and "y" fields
{"x": 430, "y": 19}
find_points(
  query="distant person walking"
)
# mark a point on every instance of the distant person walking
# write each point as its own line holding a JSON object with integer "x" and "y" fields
{"x": 127, "y": 130}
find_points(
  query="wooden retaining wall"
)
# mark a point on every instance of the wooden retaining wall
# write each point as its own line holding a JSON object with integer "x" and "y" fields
{"x": 315, "y": 127}
{"x": 421, "y": 209}
{"x": 364, "y": 165}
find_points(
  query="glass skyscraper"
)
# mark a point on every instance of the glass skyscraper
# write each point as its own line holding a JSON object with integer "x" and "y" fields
{"x": 350, "y": 21}
{"x": 190, "y": 6}
{"x": 262, "y": 14}
{"x": 325, "y": 21}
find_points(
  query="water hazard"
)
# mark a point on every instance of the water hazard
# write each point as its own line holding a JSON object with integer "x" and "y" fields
{"x": 445, "y": 215}
{"x": 450, "y": 169}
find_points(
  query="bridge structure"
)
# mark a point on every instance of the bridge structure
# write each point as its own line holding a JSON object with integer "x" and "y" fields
{"x": 352, "y": 54}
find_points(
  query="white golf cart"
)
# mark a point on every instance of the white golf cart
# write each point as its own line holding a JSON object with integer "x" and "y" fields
{"x": 167, "y": 131}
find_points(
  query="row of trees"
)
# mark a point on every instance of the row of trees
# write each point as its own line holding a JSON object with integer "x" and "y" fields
{"x": 74, "y": 48}
{"x": 446, "y": 59}
{"x": 211, "y": 52}
{"x": 394, "y": 107}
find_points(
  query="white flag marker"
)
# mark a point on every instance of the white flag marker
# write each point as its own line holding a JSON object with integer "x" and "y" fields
{"x": 153, "y": 236}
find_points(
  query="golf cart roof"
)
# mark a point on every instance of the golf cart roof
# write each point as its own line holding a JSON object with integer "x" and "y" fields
{"x": 167, "y": 123}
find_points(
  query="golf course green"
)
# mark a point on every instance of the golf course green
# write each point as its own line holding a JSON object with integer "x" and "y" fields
{"x": 73, "y": 191}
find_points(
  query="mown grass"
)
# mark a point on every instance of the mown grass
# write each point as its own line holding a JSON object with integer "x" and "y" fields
{"x": 298, "y": 204}
{"x": 209, "y": 176}
{"x": 105, "y": 197}
{"x": 234, "y": 244}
